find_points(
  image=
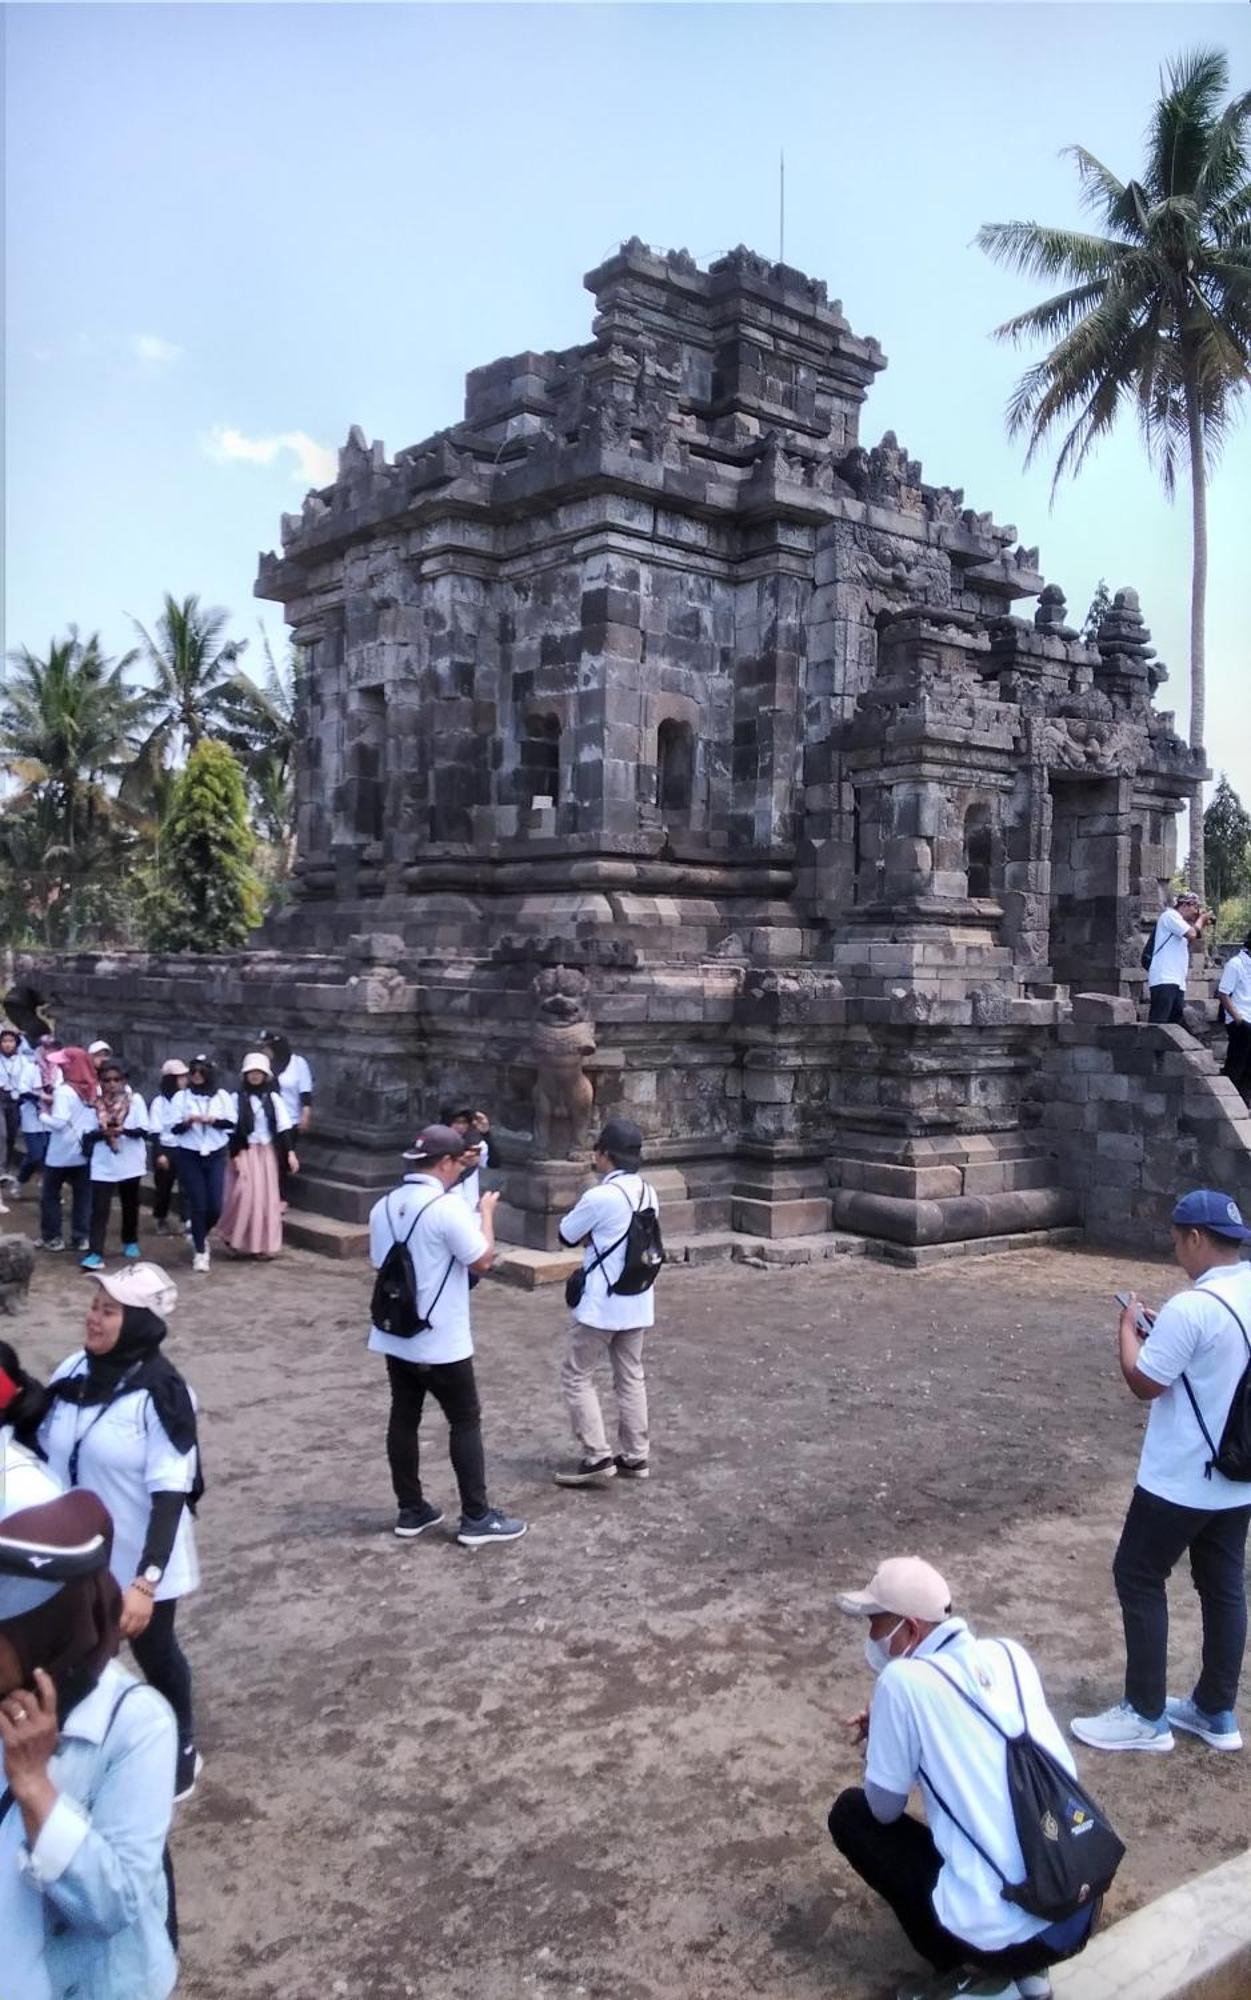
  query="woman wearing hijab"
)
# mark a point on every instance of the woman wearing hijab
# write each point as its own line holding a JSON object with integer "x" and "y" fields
{"x": 294, "y": 1079}
{"x": 119, "y": 1154}
{"x": 251, "y": 1224}
{"x": 67, "y": 1114}
{"x": 86, "y": 1770}
{"x": 164, "y": 1149}
{"x": 202, "y": 1118}
{"x": 121, "y": 1422}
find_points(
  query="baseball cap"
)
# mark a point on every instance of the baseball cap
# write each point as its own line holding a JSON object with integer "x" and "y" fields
{"x": 905, "y": 1585}
{"x": 437, "y": 1142}
{"x": 621, "y": 1139}
{"x": 46, "y": 1544}
{"x": 139, "y": 1285}
{"x": 174, "y": 1067}
{"x": 1208, "y": 1209}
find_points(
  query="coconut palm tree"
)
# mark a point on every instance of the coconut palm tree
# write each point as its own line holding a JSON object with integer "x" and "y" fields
{"x": 1155, "y": 314}
{"x": 258, "y": 721}
{"x": 190, "y": 661}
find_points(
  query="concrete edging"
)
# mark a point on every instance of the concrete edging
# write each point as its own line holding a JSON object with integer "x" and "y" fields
{"x": 1192, "y": 1944}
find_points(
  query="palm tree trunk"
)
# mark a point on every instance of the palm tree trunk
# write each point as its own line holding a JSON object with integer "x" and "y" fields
{"x": 1198, "y": 608}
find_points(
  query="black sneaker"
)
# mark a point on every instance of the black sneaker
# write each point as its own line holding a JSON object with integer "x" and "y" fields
{"x": 633, "y": 1468}
{"x": 187, "y": 1775}
{"x": 589, "y": 1472}
{"x": 413, "y": 1521}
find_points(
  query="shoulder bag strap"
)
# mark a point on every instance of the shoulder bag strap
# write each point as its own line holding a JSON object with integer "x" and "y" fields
{"x": 6, "y": 1800}
{"x": 1006, "y": 1735}
{"x": 601, "y": 1256}
{"x": 451, "y": 1262}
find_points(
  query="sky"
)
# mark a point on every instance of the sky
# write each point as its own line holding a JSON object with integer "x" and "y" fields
{"x": 233, "y": 231}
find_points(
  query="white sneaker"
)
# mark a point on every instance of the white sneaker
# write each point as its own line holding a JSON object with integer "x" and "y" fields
{"x": 1122, "y": 1728}
{"x": 200, "y": 1260}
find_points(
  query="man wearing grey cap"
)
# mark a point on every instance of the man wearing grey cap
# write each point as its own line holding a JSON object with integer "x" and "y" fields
{"x": 944, "y": 1880}
{"x": 608, "y": 1323}
{"x": 445, "y": 1241}
{"x": 1177, "y": 932}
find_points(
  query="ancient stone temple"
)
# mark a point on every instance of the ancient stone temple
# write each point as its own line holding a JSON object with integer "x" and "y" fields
{"x": 667, "y": 749}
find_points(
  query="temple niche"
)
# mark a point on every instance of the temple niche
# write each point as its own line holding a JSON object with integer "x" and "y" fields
{"x": 669, "y": 746}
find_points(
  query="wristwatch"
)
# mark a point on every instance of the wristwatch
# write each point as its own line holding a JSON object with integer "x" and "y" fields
{"x": 153, "y": 1573}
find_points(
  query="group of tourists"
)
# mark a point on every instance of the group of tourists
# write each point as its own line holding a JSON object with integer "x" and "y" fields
{"x": 100, "y": 1474}
{"x": 74, "y": 1117}
{"x": 1179, "y": 933}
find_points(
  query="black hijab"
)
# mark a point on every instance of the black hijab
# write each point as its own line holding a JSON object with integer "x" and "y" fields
{"x": 23, "y": 1399}
{"x": 209, "y": 1070}
{"x": 136, "y": 1363}
{"x": 280, "y": 1050}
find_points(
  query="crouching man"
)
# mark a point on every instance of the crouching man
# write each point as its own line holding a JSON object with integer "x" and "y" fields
{"x": 944, "y": 1880}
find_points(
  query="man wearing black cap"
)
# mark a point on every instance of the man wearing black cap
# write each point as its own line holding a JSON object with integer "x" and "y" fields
{"x": 446, "y": 1241}
{"x": 605, "y": 1322}
{"x": 1186, "y": 1362}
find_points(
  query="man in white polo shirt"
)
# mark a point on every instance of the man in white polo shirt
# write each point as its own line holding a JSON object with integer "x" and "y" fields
{"x": 446, "y": 1240}
{"x": 1235, "y": 998}
{"x": 1186, "y": 1367}
{"x": 1168, "y": 970}
{"x": 918, "y": 1729}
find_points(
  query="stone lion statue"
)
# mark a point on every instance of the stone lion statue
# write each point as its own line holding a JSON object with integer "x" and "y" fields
{"x": 564, "y": 1037}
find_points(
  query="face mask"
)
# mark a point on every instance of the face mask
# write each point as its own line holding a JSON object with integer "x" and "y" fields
{"x": 877, "y": 1651}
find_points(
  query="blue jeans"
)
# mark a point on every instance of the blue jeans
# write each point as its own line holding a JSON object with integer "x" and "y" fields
{"x": 202, "y": 1179}
{"x": 35, "y": 1145}
{"x": 54, "y": 1180}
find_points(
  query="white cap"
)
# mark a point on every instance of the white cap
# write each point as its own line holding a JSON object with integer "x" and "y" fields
{"x": 174, "y": 1067}
{"x": 903, "y": 1585}
{"x": 139, "y": 1285}
{"x": 99, "y": 1048}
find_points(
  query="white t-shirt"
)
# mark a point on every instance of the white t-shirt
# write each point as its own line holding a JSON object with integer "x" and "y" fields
{"x": 295, "y": 1082}
{"x": 261, "y": 1135}
{"x": 25, "y": 1481}
{"x": 65, "y": 1122}
{"x": 1236, "y": 981}
{"x": 32, "y": 1082}
{"x": 160, "y": 1118}
{"x": 129, "y": 1162}
{"x": 13, "y": 1074}
{"x": 442, "y": 1244}
{"x": 1170, "y": 963}
{"x": 603, "y": 1217}
{"x": 1194, "y": 1333}
{"x": 917, "y": 1726}
{"x": 203, "y": 1138}
{"x": 125, "y": 1458}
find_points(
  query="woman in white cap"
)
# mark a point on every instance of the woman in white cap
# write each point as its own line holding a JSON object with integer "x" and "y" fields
{"x": 202, "y": 1118}
{"x": 122, "y": 1422}
{"x": 86, "y": 1770}
{"x": 164, "y": 1149}
{"x": 251, "y": 1224}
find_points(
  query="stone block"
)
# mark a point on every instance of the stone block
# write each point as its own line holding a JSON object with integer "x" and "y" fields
{"x": 1104, "y": 1009}
{"x": 799, "y": 1217}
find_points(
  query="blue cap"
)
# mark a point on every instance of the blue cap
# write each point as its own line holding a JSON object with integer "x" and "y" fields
{"x": 1218, "y": 1213}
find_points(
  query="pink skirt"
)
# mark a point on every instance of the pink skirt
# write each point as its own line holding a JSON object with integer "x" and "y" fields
{"x": 251, "y": 1223}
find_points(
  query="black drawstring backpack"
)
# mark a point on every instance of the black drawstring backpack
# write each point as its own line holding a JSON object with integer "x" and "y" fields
{"x": 1233, "y": 1455}
{"x": 1070, "y": 1849}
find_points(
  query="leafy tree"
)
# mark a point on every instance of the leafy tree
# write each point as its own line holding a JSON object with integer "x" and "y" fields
{"x": 1227, "y": 842}
{"x": 191, "y": 662}
{"x": 67, "y": 727}
{"x": 1100, "y": 605}
{"x": 259, "y": 724}
{"x": 1155, "y": 314}
{"x": 209, "y": 897}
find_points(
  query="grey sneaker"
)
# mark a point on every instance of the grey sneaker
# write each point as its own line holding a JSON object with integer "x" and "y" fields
{"x": 1122, "y": 1728}
{"x": 413, "y": 1521}
{"x": 1219, "y": 1732}
{"x": 491, "y": 1527}
{"x": 965, "y": 1985}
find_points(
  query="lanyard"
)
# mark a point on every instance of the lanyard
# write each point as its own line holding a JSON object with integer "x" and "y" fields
{"x": 81, "y": 1439}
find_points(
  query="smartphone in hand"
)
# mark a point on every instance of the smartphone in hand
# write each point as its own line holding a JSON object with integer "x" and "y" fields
{"x": 1145, "y": 1320}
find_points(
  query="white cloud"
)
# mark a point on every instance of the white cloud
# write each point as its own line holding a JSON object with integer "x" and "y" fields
{"x": 314, "y": 464}
{"x": 152, "y": 351}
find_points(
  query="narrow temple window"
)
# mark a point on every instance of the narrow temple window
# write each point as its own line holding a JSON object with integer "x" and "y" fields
{"x": 675, "y": 766}
{"x": 979, "y": 841}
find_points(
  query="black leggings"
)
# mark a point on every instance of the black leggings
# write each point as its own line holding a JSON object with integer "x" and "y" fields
{"x": 101, "y": 1204}
{"x": 162, "y": 1662}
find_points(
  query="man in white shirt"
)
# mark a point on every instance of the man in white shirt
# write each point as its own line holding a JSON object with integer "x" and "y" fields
{"x": 1186, "y": 1361}
{"x": 445, "y": 1240}
{"x": 605, "y": 1322}
{"x": 1235, "y": 997}
{"x": 920, "y": 1730}
{"x": 1175, "y": 932}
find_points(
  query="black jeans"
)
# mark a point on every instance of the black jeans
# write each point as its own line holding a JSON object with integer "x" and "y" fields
{"x": 1238, "y": 1058}
{"x": 163, "y": 1663}
{"x": 163, "y": 1188}
{"x": 1155, "y": 1536}
{"x": 202, "y": 1178}
{"x": 901, "y": 1864}
{"x": 101, "y": 1205}
{"x": 1167, "y": 1003}
{"x": 54, "y": 1180}
{"x": 454, "y": 1389}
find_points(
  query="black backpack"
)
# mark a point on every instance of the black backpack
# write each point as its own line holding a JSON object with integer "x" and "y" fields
{"x": 1233, "y": 1457}
{"x": 644, "y": 1255}
{"x": 394, "y": 1306}
{"x": 1069, "y": 1846}
{"x": 1150, "y": 948}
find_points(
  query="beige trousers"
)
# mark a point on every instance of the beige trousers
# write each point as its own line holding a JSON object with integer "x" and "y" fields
{"x": 587, "y": 1347}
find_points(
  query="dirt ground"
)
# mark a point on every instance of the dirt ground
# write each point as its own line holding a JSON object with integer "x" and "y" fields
{"x": 598, "y": 1761}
